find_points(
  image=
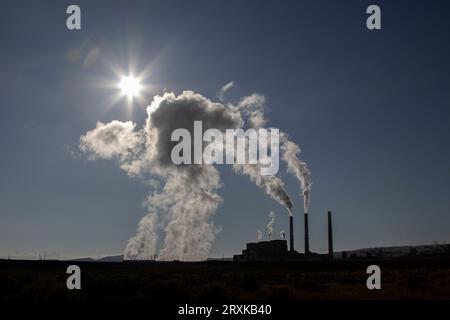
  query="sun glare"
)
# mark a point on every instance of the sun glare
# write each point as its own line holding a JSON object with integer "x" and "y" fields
{"x": 130, "y": 86}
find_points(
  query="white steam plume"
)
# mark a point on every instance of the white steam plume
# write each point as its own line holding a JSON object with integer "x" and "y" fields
{"x": 259, "y": 235}
{"x": 290, "y": 154}
{"x": 183, "y": 208}
{"x": 272, "y": 185}
{"x": 143, "y": 244}
{"x": 252, "y": 108}
{"x": 270, "y": 224}
{"x": 188, "y": 200}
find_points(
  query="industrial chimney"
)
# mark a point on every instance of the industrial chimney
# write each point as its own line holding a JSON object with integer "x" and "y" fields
{"x": 291, "y": 233}
{"x": 306, "y": 234}
{"x": 330, "y": 236}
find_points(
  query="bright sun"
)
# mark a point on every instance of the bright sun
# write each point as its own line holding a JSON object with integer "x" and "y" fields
{"x": 130, "y": 86}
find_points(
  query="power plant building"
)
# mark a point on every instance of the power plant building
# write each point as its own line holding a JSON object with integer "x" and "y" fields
{"x": 277, "y": 250}
{"x": 274, "y": 250}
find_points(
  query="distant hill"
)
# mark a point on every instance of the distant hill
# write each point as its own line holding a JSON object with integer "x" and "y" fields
{"x": 118, "y": 258}
{"x": 396, "y": 251}
{"x": 220, "y": 259}
{"x": 392, "y": 252}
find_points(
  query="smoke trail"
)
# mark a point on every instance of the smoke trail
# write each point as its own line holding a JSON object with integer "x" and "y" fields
{"x": 290, "y": 154}
{"x": 224, "y": 89}
{"x": 272, "y": 185}
{"x": 270, "y": 224}
{"x": 252, "y": 108}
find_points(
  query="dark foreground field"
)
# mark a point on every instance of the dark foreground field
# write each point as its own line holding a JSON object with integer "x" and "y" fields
{"x": 46, "y": 280}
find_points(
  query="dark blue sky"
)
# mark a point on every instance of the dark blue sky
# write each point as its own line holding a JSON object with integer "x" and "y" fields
{"x": 370, "y": 110}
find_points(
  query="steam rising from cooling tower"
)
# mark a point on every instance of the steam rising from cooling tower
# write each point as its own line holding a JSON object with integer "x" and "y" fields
{"x": 183, "y": 199}
{"x": 259, "y": 235}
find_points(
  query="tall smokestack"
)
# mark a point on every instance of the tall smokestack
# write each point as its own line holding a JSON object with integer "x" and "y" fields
{"x": 291, "y": 233}
{"x": 306, "y": 234}
{"x": 330, "y": 236}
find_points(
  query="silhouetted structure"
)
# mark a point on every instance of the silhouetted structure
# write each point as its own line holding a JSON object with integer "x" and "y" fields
{"x": 291, "y": 233}
{"x": 330, "y": 236}
{"x": 275, "y": 250}
{"x": 306, "y": 234}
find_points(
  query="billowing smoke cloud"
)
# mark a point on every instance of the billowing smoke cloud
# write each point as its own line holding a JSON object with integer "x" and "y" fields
{"x": 189, "y": 231}
{"x": 189, "y": 198}
{"x": 183, "y": 207}
{"x": 115, "y": 139}
{"x": 252, "y": 107}
{"x": 270, "y": 224}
